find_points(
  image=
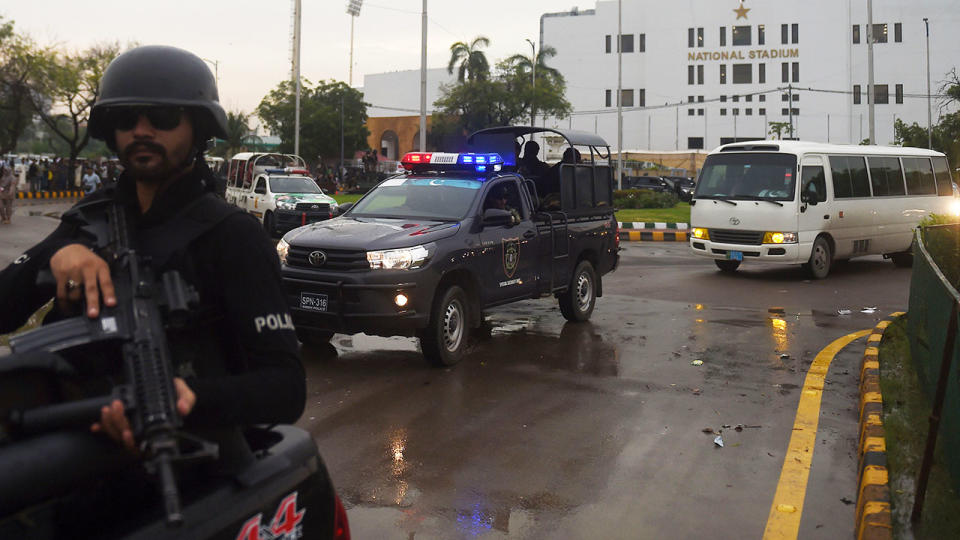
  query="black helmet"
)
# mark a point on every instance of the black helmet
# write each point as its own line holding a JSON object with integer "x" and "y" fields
{"x": 159, "y": 75}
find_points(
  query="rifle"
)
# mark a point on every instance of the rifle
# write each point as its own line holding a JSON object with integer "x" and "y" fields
{"x": 137, "y": 325}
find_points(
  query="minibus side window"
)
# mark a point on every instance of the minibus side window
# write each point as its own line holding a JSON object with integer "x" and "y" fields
{"x": 849, "y": 177}
{"x": 942, "y": 170}
{"x": 814, "y": 174}
{"x": 886, "y": 176}
{"x": 920, "y": 179}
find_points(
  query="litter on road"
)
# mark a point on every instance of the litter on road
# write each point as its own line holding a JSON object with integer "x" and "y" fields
{"x": 844, "y": 312}
{"x": 718, "y": 441}
{"x": 696, "y": 363}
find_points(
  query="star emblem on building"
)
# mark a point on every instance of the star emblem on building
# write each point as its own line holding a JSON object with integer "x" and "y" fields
{"x": 741, "y": 12}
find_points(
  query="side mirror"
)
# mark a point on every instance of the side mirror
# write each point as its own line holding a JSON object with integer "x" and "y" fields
{"x": 344, "y": 207}
{"x": 809, "y": 194}
{"x": 497, "y": 217}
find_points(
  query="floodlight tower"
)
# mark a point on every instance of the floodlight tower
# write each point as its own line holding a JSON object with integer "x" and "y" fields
{"x": 295, "y": 53}
{"x": 353, "y": 9}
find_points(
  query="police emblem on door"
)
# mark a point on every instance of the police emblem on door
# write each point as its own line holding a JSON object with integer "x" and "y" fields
{"x": 511, "y": 255}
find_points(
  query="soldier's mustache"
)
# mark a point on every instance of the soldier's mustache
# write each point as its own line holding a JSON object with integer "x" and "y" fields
{"x": 153, "y": 147}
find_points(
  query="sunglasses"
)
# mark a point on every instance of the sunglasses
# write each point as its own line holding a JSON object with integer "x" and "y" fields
{"x": 162, "y": 118}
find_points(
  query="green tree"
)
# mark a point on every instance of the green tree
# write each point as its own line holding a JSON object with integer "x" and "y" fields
{"x": 473, "y": 65}
{"x": 320, "y": 107}
{"x": 540, "y": 86}
{"x": 945, "y": 136}
{"x": 20, "y": 61}
{"x": 238, "y": 127}
{"x": 777, "y": 129}
{"x": 67, "y": 87}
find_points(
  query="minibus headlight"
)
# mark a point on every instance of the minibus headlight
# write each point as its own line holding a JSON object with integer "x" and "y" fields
{"x": 779, "y": 238}
{"x": 701, "y": 234}
{"x": 283, "y": 249}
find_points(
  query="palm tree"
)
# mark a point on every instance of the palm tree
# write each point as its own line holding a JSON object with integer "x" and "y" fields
{"x": 473, "y": 63}
{"x": 237, "y": 129}
{"x": 522, "y": 64}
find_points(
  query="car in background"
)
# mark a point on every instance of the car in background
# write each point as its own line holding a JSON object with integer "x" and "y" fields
{"x": 682, "y": 186}
{"x": 649, "y": 183}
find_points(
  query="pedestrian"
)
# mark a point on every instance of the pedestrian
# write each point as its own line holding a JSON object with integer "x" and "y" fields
{"x": 8, "y": 191}
{"x": 237, "y": 360}
{"x": 90, "y": 181}
{"x": 33, "y": 176}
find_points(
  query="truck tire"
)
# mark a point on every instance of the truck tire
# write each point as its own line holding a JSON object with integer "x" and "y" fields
{"x": 727, "y": 266}
{"x": 314, "y": 337}
{"x": 821, "y": 259}
{"x": 444, "y": 341}
{"x": 577, "y": 303}
{"x": 269, "y": 224}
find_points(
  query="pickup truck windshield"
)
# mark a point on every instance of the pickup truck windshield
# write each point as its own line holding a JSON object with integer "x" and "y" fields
{"x": 749, "y": 176}
{"x": 433, "y": 198}
{"x": 293, "y": 184}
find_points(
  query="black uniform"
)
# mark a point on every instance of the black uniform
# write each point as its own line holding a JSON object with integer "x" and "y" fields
{"x": 239, "y": 354}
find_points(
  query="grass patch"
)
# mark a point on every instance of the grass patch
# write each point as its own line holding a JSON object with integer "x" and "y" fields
{"x": 342, "y": 198}
{"x": 678, "y": 214}
{"x": 906, "y": 412}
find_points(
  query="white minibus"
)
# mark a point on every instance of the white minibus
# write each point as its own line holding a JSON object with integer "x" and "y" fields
{"x": 813, "y": 203}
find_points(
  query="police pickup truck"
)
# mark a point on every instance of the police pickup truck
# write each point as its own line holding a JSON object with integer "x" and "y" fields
{"x": 425, "y": 253}
{"x": 277, "y": 190}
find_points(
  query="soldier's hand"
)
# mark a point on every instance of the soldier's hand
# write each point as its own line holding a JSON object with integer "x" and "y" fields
{"x": 114, "y": 421}
{"x": 80, "y": 273}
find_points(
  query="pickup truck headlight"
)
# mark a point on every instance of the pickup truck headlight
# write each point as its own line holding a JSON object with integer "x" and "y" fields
{"x": 779, "y": 238}
{"x": 283, "y": 249}
{"x": 286, "y": 205}
{"x": 399, "y": 259}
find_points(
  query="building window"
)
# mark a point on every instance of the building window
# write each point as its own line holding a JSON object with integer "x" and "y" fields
{"x": 741, "y": 35}
{"x": 723, "y": 74}
{"x": 749, "y": 112}
{"x": 784, "y": 33}
{"x": 723, "y": 112}
{"x": 626, "y": 97}
{"x": 785, "y": 72}
{"x": 700, "y": 74}
{"x": 691, "y": 112}
{"x": 607, "y": 43}
{"x": 690, "y": 42}
{"x": 736, "y": 111}
{"x": 689, "y": 99}
{"x": 699, "y": 99}
{"x": 723, "y": 36}
{"x": 699, "y": 112}
{"x": 695, "y": 143}
{"x": 723, "y": 99}
{"x": 761, "y": 38}
{"x": 762, "y": 112}
{"x": 642, "y": 97}
{"x": 761, "y": 73}
{"x": 643, "y": 43}
{"x": 762, "y": 97}
{"x": 856, "y": 34}
{"x": 796, "y": 72}
{"x": 689, "y": 74}
{"x": 748, "y": 97}
{"x": 794, "y": 33}
{"x": 607, "y": 101}
{"x": 880, "y": 33}
{"x": 899, "y": 93}
{"x": 786, "y": 112}
{"x": 856, "y": 94}
{"x": 736, "y": 99}
{"x": 784, "y": 97}
{"x": 742, "y": 73}
{"x": 898, "y": 32}
{"x": 626, "y": 43}
{"x": 881, "y": 94}
{"x": 699, "y": 37}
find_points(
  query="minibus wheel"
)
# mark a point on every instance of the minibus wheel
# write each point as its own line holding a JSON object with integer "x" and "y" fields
{"x": 727, "y": 266}
{"x": 821, "y": 258}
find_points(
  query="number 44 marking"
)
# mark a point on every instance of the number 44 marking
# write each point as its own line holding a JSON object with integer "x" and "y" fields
{"x": 284, "y": 524}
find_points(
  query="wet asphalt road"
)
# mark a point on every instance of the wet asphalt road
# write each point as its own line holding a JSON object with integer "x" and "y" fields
{"x": 595, "y": 430}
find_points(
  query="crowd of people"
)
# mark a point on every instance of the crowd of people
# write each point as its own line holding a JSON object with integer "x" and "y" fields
{"x": 54, "y": 174}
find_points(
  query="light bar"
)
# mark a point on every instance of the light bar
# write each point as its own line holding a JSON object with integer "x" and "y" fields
{"x": 443, "y": 161}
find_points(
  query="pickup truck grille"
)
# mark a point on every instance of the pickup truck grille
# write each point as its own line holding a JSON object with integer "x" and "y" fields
{"x": 336, "y": 259}
{"x": 729, "y": 236}
{"x": 312, "y": 207}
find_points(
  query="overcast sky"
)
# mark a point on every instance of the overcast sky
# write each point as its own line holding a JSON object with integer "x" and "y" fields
{"x": 251, "y": 39}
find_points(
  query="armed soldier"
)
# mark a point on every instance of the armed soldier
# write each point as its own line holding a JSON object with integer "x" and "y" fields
{"x": 236, "y": 362}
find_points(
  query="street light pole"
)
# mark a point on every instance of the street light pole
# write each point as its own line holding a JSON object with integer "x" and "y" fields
{"x": 871, "y": 92}
{"x": 296, "y": 77}
{"x": 533, "y": 82}
{"x": 619, "y": 95}
{"x": 216, "y": 69}
{"x": 423, "y": 79}
{"x": 929, "y": 120}
{"x": 353, "y": 9}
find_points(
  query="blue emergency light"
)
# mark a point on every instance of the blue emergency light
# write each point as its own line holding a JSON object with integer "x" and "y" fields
{"x": 442, "y": 161}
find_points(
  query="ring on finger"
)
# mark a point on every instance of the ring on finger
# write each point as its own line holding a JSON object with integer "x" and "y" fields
{"x": 72, "y": 285}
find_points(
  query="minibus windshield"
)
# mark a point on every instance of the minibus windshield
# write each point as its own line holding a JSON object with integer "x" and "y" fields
{"x": 748, "y": 176}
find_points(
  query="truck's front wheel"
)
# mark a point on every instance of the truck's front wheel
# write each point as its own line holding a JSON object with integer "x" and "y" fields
{"x": 577, "y": 303}
{"x": 444, "y": 341}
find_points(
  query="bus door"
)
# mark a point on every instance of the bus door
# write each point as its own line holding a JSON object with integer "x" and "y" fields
{"x": 813, "y": 188}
